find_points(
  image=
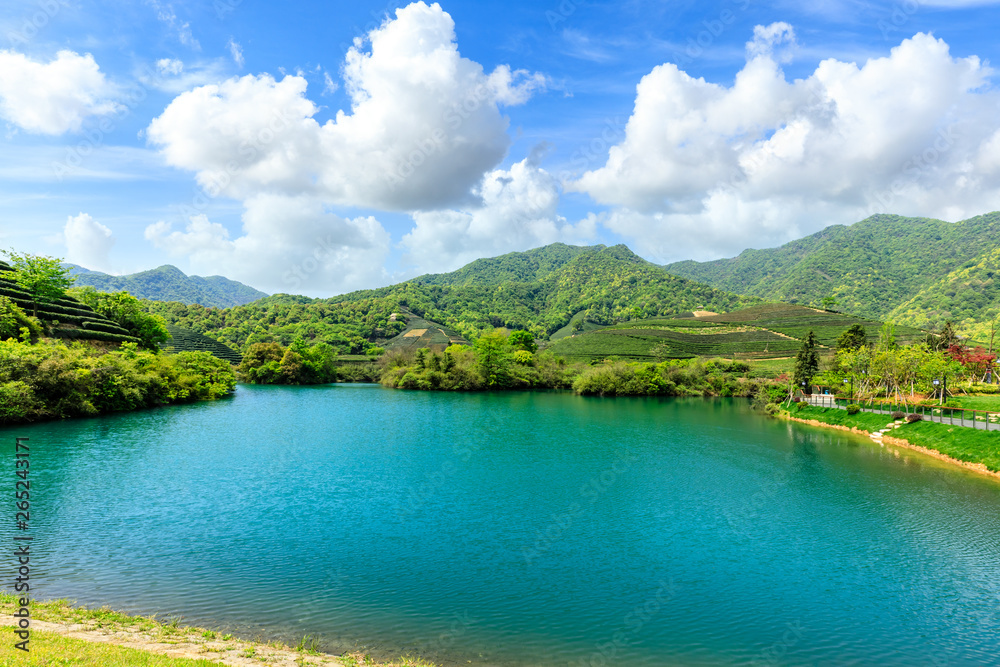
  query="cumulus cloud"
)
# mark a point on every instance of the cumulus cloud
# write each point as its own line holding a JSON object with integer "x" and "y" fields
{"x": 54, "y": 97}
{"x": 424, "y": 126}
{"x": 706, "y": 169}
{"x": 517, "y": 212}
{"x": 88, "y": 243}
{"x": 288, "y": 244}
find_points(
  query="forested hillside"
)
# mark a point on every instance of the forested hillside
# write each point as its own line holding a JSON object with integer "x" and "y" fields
{"x": 968, "y": 296}
{"x": 871, "y": 268}
{"x": 515, "y": 267}
{"x": 609, "y": 284}
{"x": 168, "y": 283}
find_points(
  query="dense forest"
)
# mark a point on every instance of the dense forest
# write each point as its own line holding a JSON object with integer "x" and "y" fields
{"x": 917, "y": 271}
{"x": 608, "y": 285}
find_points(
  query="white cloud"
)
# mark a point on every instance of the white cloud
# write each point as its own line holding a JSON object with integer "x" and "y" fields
{"x": 88, "y": 243}
{"x": 169, "y": 66}
{"x": 329, "y": 85}
{"x": 423, "y": 129}
{"x": 236, "y": 51}
{"x": 165, "y": 13}
{"x": 288, "y": 244}
{"x": 174, "y": 76}
{"x": 706, "y": 169}
{"x": 768, "y": 38}
{"x": 518, "y": 212}
{"x": 54, "y": 97}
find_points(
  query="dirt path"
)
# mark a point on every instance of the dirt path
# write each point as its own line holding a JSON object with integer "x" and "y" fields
{"x": 183, "y": 643}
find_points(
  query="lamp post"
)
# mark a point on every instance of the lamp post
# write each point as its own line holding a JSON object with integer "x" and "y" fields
{"x": 936, "y": 383}
{"x": 852, "y": 391}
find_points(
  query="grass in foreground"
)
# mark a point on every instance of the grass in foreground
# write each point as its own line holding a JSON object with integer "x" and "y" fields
{"x": 52, "y": 648}
{"x": 958, "y": 442}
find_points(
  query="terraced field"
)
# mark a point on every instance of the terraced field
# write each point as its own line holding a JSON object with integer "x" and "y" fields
{"x": 184, "y": 340}
{"x": 768, "y": 331}
{"x": 424, "y": 333}
{"x": 796, "y": 321}
{"x": 67, "y": 318}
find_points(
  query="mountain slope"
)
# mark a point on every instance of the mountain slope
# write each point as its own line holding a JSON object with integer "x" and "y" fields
{"x": 764, "y": 331}
{"x": 610, "y": 284}
{"x": 969, "y": 297}
{"x": 517, "y": 267}
{"x": 870, "y": 267}
{"x": 607, "y": 285}
{"x": 168, "y": 283}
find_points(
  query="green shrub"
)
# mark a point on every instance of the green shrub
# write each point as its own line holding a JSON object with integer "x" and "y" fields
{"x": 853, "y": 409}
{"x": 17, "y": 402}
{"x": 51, "y": 380}
{"x": 13, "y": 319}
{"x": 523, "y": 357}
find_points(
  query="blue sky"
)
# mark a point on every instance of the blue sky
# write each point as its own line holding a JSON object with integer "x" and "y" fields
{"x": 323, "y": 147}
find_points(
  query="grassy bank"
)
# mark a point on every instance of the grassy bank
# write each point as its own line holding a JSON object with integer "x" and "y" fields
{"x": 956, "y": 442}
{"x": 66, "y": 635}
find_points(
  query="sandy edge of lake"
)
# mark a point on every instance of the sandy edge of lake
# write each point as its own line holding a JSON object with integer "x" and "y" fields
{"x": 899, "y": 442}
{"x": 185, "y": 644}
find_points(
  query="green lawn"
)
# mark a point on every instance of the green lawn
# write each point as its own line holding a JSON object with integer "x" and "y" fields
{"x": 991, "y": 403}
{"x": 958, "y": 442}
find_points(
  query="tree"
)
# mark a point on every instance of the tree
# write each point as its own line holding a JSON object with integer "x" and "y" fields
{"x": 807, "y": 361}
{"x": 262, "y": 363}
{"x": 944, "y": 339}
{"x": 492, "y": 353}
{"x": 523, "y": 340}
{"x": 126, "y": 311}
{"x": 853, "y": 338}
{"x": 42, "y": 277}
{"x": 828, "y": 302}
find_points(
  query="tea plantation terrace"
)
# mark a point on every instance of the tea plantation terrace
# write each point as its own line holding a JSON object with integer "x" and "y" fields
{"x": 65, "y": 318}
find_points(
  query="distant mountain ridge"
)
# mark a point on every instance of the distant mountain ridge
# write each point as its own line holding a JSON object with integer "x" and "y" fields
{"x": 540, "y": 290}
{"x": 917, "y": 271}
{"x": 518, "y": 267}
{"x": 168, "y": 283}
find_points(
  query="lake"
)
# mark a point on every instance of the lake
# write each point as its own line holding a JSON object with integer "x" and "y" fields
{"x": 519, "y": 529}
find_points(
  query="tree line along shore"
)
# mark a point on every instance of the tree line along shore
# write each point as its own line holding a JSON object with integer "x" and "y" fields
{"x": 58, "y": 368}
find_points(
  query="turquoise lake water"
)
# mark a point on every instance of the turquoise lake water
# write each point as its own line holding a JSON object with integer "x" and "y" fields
{"x": 518, "y": 529}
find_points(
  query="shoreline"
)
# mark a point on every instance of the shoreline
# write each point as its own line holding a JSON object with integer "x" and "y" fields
{"x": 104, "y": 632}
{"x": 905, "y": 444}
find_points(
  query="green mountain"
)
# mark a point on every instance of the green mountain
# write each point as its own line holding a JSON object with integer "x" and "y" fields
{"x": 871, "y": 268}
{"x": 168, "y": 283}
{"x": 514, "y": 267}
{"x": 969, "y": 297}
{"x": 606, "y": 285}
